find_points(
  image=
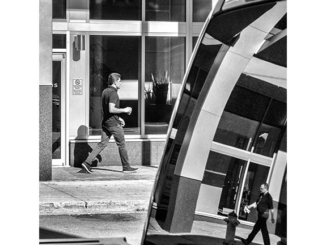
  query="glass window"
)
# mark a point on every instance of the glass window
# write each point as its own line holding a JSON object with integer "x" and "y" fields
{"x": 201, "y": 9}
{"x": 115, "y": 10}
{"x": 202, "y": 63}
{"x": 224, "y": 174}
{"x": 56, "y": 109}
{"x": 107, "y": 56}
{"x": 283, "y": 143}
{"x": 162, "y": 10}
{"x": 194, "y": 41}
{"x": 59, "y": 41}
{"x": 253, "y": 117}
{"x": 281, "y": 226}
{"x": 256, "y": 175}
{"x": 59, "y": 9}
{"x": 164, "y": 70}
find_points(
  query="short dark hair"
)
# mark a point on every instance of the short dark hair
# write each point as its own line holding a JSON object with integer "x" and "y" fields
{"x": 113, "y": 77}
{"x": 266, "y": 185}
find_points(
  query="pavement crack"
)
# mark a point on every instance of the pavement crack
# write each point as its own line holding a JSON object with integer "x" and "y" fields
{"x": 85, "y": 203}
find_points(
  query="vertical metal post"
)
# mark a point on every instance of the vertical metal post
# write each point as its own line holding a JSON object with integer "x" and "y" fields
{"x": 189, "y": 10}
{"x": 68, "y": 57}
{"x": 271, "y": 169}
{"x": 241, "y": 187}
{"x": 142, "y": 74}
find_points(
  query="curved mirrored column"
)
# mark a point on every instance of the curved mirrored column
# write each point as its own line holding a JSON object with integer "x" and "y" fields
{"x": 226, "y": 128}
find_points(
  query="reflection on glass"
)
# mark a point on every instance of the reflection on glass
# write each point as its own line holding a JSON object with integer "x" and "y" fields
{"x": 194, "y": 41}
{"x": 267, "y": 138}
{"x": 56, "y": 110}
{"x": 167, "y": 180}
{"x": 191, "y": 199}
{"x": 253, "y": 117}
{"x": 256, "y": 175}
{"x": 202, "y": 63}
{"x": 232, "y": 4}
{"x": 281, "y": 227}
{"x": 201, "y": 9}
{"x": 59, "y": 41}
{"x": 59, "y": 9}
{"x": 222, "y": 178}
{"x": 165, "y": 65}
{"x": 107, "y": 56}
{"x": 115, "y": 10}
{"x": 158, "y": 10}
{"x": 235, "y": 131}
{"x": 221, "y": 185}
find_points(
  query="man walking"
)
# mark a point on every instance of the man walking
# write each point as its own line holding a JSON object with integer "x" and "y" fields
{"x": 112, "y": 124}
{"x": 264, "y": 205}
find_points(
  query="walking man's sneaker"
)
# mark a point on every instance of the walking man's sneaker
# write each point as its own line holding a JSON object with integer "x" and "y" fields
{"x": 87, "y": 167}
{"x": 129, "y": 169}
{"x": 244, "y": 241}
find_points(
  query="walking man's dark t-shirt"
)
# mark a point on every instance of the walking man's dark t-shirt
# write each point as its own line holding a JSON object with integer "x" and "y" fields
{"x": 110, "y": 95}
{"x": 264, "y": 202}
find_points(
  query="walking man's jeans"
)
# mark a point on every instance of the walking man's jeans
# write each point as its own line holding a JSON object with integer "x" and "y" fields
{"x": 119, "y": 137}
{"x": 260, "y": 225}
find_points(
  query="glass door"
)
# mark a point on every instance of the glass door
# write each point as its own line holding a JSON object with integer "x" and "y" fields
{"x": 254, "y": 175}
{"x": 234, "y": 176}
{"x": 58, "y": 109}
{"x": 235, "y": 179}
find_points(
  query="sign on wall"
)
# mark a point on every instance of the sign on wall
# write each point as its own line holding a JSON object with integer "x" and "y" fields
{"x": 77, "y": 86}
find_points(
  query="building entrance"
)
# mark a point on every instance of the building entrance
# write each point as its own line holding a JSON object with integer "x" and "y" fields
{"x": 232, "y": 178}
{"x": 241, "y": 186}
{"x": 58, "y": 109}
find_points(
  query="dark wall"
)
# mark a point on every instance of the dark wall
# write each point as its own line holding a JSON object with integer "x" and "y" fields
{"x": 45, "y": 90}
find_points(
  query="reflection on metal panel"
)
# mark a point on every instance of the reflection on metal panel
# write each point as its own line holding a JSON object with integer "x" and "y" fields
{"x": 267, "y": 72}
{"x": 227, "y": 124}
{"x": 213, "y": 194}
{"x": 278, "y": 171}
{"x": 241, "y": 154}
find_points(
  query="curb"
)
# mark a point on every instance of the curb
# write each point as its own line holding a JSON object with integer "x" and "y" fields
{"x": 93, "y": 207}
{"x": 94, "y": 197}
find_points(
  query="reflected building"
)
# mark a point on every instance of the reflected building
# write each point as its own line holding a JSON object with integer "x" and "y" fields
{"x": 227, "y": 134}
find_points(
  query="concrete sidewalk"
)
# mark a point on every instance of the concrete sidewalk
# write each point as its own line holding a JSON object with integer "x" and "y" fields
{"x": 107, "y": 189}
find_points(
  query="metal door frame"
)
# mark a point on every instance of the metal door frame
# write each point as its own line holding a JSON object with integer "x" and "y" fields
{"x": 249, "y": 157}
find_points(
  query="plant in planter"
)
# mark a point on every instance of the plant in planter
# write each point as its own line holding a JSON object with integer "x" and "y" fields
{"x": 160, "y": 88}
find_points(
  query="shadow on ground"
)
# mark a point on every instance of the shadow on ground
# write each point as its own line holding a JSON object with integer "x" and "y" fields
{"x": 52, "y": 234}
{"x": 186, "y": 240}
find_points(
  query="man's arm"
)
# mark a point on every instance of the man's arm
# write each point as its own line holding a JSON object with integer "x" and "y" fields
{"x": 115, "y": 110}
{"x": 248, "y": 207}
{"x": 272, "y": 215}
{"x": 253, "y": 205}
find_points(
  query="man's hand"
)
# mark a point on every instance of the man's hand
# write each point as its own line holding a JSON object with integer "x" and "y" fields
{"x": 273, "y": 220}
{"x": 246, "y": 209}
{"x": 128, "y": 110}
{"x": 122, "y": 122}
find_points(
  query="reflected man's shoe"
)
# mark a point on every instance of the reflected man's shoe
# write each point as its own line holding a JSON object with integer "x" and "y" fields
{"x": 87, "y": 167}
{"x": 129, "y": 169}
{"x": 244, "y": 241}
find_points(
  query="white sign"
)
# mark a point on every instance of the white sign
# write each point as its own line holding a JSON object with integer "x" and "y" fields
{"x": 77, "y": 86}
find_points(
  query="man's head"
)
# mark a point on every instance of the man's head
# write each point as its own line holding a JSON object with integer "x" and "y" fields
{"x": 263, "y": 188}
{"x": 115, "y": 80}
